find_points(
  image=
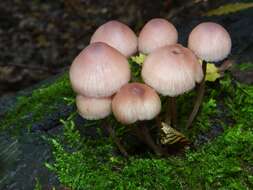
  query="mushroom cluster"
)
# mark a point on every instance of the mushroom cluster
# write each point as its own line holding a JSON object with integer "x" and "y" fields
{"x": 100, "y": 74}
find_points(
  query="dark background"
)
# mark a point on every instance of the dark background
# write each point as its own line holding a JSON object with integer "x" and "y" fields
{"x": 40, "y": 38}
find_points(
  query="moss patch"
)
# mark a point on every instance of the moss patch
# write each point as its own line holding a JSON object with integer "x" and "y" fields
{"x": 244, "y": 66}
{"x": 43, "y": 101}
{"x": 224, "y": 163}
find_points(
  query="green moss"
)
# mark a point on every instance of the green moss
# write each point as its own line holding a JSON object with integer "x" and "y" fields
{"x": 37, "y": 185}
{"x": 224, "y": 163}
{"x": 88, "y": 163}
{"x": 229, "y": 8}
{"x": 43, "y": 101}
{"x": 244, "y": 66}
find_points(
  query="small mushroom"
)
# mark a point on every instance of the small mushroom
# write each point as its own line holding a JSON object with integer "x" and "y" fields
{"x": 93, "y": 108}
{"x": 156, "y": 33}
{"x": 99, "y": 71}
{"x": 211, "y": 43}
{"x": 117, "y": 35}
{"x": 137, "y": 102}
{"x": 171, "y": 71}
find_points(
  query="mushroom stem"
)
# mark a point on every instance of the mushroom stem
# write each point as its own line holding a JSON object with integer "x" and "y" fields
{"x": 158, "y": 121}
{"x": 158, "y": 125}
{"x": 168, "y": 113}
{"x": 116, "y": 140}
{"x": 173, "y": 111}
{"x": 143, "y": 134}
{"x": 171, "y": 115}
{"x": 199, "y": 98}
{"x": 150, "y": 142}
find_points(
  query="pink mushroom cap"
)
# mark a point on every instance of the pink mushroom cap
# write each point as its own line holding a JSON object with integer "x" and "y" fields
{"x": 172, "y": 70}
{"x": 210, "y": 42}
{"x": 93, "y": 108}
{"x": 156, "y": 33}
{"x": 117, "y": 35}
{"x": 99, "y": 71}
{"x": 135, "y": 101}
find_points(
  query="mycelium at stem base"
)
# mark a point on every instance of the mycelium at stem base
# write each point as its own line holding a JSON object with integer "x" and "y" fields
{"x": 199, "y": 98}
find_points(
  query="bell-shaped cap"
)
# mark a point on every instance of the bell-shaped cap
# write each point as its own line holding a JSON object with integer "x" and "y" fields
{"x": 117, "y": 35}
{"x": 93, "y": 108}
{"x": 156, "y": 33}
{"x": 99, "y": 71}
{"x": 210, "y": 42}
{"x": 172, "y": 70}
{"x": 135, "y": 101}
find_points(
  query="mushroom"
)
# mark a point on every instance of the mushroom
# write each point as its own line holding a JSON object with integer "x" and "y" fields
{"x": 156, "y": 33}
{"x": 117, "y": 35}
{"x": 137, "y": 102}
{"x": 99, "y": 71}
{"x": 211, "y": 43}
{"x": 171, "y": 71}
{"x": 93, "y": 108}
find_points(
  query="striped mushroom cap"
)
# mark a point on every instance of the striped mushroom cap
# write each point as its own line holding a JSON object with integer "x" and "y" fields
{"x": 155, "y": 34}
{"x": 93, "y": 108}
{"x": 210, "y": 42}
{"x": 117, "y": 35}
{"x": 99, "y": 71}
{"x": 135, "y": 101}
{"x": 172, "y": 70}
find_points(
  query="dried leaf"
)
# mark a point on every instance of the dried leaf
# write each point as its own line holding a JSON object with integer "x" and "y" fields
{"x": 229, "y": 8}
{"x": 170, "y": 135}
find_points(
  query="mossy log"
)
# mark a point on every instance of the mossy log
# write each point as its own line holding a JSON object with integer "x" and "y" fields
{"x": 36, "y": 112}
